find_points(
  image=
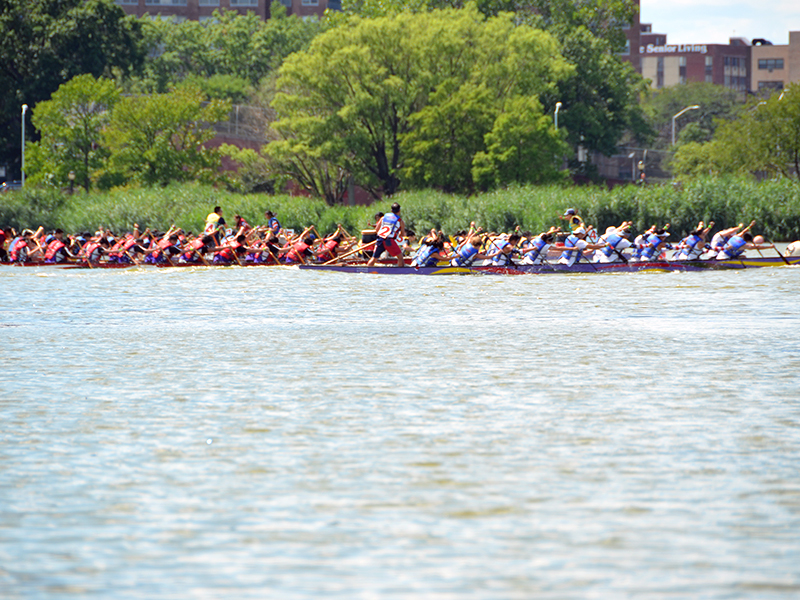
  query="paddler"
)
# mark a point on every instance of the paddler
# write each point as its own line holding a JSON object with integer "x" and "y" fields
{"x": 57, "y": 251}
{"x": 6, "y": 235}
{"x": 299, "y": 248}
{"x": 574, "y": 246}
{"x": 693, "y": 245}
{"x": 654, "y": 244}
{"x": 469, "y": 250}
{"x": 431, "y": 251}
{"x": 389, "y": 229}
{"x": 502, "y": 249}
{"x": 721, "y": 238}
{"x": 329, "y": 248}
{"x": 534, "y": 251}
{"x": 616, "y": 241}
{"x": 738, "y": 243}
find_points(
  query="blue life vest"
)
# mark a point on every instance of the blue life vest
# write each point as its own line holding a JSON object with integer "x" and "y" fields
{"x": 389, "y": 226}
{"x": 536, "y": 248}
{"x": 571, "y": 241}
{"x": 613, "y": 241}
{"x": 502, "y": 258}
{"x": 424, "y": 256}
{"x": 465, "y": 255}
{"x": 652, "y": 243}
{"x": 735, "y": 246}
{"x": 690, "y": 249}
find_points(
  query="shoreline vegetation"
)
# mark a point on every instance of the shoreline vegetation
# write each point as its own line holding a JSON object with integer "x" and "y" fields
{"x": 774, "y": 205}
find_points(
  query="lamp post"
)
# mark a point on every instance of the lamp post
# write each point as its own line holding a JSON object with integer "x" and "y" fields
{"x": 24, "y": 110}
{"x": 555, "y": 114}
{"x": 693, "y": 107}
{"x": 71, "y": 178}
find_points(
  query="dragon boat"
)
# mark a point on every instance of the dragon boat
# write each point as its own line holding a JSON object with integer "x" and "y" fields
{"x": 388, "y": 267}
{"x": 579, "y": 267}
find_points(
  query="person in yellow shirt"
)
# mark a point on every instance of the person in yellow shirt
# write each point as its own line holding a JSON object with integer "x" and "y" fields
{"x": 214, "y": 222}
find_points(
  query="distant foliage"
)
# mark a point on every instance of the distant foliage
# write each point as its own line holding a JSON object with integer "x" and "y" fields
{"x": 775, "y": 205}
{"x": 228, "y": 51}
{"x": 765, "y": 139}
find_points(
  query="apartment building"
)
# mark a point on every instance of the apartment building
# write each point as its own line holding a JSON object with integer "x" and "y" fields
{"x": 773, "y": 67}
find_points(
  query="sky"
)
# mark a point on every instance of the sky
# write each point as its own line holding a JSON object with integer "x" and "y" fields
{"x": 716, "y": 21}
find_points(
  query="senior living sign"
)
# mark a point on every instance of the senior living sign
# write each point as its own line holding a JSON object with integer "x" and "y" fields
{"x": 673, "y": 49}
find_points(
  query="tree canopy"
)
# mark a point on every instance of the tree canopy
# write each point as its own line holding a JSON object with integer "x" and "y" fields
{"x": 717, "y": 103}
{"x": 230, "y": 49}
{"x": 159, "y": 138}
{"x": 71, "y": 123}
{"x": 411, "y": 95}
{"x": 46, "y": 43}
{"x": 765, "y": 138}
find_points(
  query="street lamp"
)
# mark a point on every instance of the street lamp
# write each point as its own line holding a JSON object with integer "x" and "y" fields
{"x": 693, "y": 107}
{"x": 71, "y": 178}
{"x": 24, "y": 110}
{"x": 555, "y": 115}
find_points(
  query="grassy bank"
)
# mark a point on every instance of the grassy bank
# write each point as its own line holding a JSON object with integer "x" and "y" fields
{"x": 775, "y": 205}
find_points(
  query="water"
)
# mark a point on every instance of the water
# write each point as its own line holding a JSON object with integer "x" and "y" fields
{"x": 276, "y": 433}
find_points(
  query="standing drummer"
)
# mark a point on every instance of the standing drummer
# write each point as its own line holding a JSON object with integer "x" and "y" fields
{"x": 390, "y": 228}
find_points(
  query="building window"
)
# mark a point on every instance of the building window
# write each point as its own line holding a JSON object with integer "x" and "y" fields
{"x": 134, "y": 2}
{"x": 770, "y": 85}
{"x": 235, "y": 3}
{"x": 660, "y": 72}
{"x": 310, "y": 2}
{"x": 769, "y": 64}
{"x": 165, "y": 2}
{"x": 209, "y": 2}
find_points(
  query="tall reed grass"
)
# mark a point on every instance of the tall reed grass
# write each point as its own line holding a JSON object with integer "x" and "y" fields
{"x": 775, "y": 205}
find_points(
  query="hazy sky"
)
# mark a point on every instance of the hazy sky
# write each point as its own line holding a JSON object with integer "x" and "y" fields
{"x": 716, "y": 21}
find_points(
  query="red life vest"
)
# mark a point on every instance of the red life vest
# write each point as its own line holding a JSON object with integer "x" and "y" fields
{"x": 14, "y": 255}
{"x": 229, "y": 252}
{"x": 297, "y": 250}
{"x": 329, "y": 251}
{"x": 122, "y": 246}
{"x": 52, "y": 248}
{"x": 89, "y": 248}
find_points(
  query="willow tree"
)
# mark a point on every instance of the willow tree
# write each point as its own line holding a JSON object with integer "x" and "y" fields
{"x": 387, "y": 97}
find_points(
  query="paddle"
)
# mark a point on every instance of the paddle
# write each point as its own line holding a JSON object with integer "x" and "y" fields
{"x": 779, "y": 254}
{"x": 358, "y": 249}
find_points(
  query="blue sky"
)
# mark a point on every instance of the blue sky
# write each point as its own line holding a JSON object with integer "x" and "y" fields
{"x": 716, "y": 21}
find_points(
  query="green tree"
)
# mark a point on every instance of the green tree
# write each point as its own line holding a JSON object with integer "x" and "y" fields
{"x": 600, "y": 99}
{"x": 70, "y": 124}
{"x": 48, "y": 42}
{"x": 765, "y": 138}
{"x": 230, "y": 47}
{"x": 159, "y": 138}
{"x": 385, "y": 95}
{"x": 522, "y": 147}
{"x": 717, "y": 104}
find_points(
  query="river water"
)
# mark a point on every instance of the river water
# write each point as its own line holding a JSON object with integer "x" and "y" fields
{"x": 277, "y": 433}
